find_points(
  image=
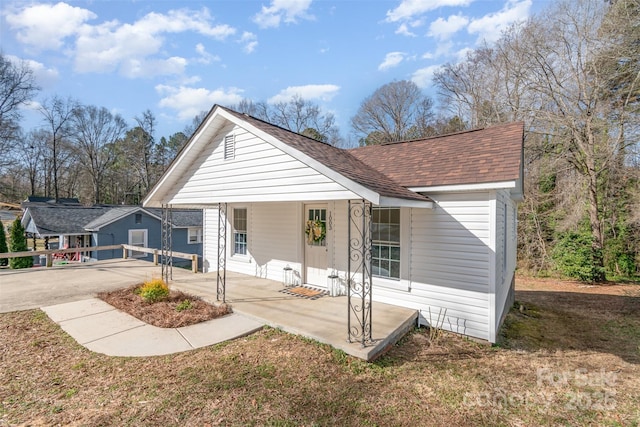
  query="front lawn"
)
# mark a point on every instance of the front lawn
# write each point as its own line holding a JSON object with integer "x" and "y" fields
{"x": 569, "y": 355}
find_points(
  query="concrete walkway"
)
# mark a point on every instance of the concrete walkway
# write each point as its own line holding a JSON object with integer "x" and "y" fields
{"x": 102, "y": 328}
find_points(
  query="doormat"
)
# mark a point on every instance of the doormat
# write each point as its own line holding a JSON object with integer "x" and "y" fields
{"x": 304, "y": 292}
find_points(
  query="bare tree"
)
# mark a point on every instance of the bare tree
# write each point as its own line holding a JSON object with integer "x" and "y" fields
{"x": 58, "y": 114}
{"x": 33, "y": 150}
{"x": 394, "y": 112}
{"x": 17, "y": 87}
{"x": 572, "y": 73}
{"x": 297, "y": 115}
{"x": 96, "y": 132}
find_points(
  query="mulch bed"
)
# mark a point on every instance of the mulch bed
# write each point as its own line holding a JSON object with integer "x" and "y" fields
{"x": 164, "y": 313}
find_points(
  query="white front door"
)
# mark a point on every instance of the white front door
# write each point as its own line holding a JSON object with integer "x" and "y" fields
{"x": 315, "y": 245}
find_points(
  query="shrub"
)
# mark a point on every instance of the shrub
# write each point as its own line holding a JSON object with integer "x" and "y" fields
{"x": 620, "y": 254}
{"x": 154, "y": 290}
{"x": 184, "y": 305}
{"x": 3, "y": 245}
{"x": 18, "y": 243}
{"x": 575, "y": 256}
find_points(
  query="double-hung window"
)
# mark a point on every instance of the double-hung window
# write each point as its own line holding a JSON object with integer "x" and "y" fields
{"x": 240, "y": 231}
{"x": 385, "y": 247}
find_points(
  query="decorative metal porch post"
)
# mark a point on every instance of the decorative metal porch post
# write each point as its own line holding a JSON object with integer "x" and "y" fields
{"x": 359, "y": 273}
{"x": 222, "y": 253}
{"x": 167, "y": 243}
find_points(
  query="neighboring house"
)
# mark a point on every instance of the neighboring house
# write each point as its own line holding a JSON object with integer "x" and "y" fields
{"x": 103, "y": 225}
{"x": 443, "y": 233}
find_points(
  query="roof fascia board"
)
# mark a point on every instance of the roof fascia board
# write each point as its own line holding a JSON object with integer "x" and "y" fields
{"x": 404, "y": 203}
{"x": 465, "y": 187}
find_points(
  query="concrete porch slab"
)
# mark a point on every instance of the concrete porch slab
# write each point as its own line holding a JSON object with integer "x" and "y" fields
{"x": 323, "y": 319}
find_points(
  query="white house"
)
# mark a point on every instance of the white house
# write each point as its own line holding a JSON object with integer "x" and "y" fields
{"x": 428, "y": 224}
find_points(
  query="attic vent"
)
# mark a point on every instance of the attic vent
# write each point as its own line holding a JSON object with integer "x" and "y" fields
{"x": 229, "y": 147}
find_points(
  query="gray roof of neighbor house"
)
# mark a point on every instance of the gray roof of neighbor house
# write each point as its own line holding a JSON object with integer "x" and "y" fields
{"x": 181, "y": 218}
{"x": 71, "y": 201}
{"x": 56, "y": 219}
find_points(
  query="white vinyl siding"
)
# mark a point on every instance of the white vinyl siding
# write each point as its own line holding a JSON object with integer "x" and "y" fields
{"x": 259, "y": 172}
{"x": 505, "y": 264}
{"x": 449, "y": 251}
{"x": 274, "y": 240}
{"x": 449, "y": 260}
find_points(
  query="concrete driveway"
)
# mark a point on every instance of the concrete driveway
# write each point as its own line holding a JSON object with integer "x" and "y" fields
{"x": 39, "y": 286}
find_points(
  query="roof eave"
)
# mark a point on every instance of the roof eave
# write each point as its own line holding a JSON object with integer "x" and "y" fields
{"x": 496, "y": 185}
{"x": 405, "y": 203}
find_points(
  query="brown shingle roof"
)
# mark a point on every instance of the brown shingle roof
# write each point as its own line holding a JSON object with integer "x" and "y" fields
{"x": 492, "y": 154}
{"x": 339, "y": 160}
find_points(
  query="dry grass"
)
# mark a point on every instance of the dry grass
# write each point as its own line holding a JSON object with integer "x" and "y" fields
{"x": 565, "y": 360}
{"x": 164, "y": 314}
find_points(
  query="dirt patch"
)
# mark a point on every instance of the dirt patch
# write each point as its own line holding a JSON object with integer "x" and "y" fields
{"x": 178, "y": 310}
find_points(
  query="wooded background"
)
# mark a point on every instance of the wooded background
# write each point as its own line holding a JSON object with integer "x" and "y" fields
{"x": 570, "y": 73}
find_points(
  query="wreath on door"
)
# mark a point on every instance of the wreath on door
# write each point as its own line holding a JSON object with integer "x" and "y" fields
{"x": 315, "y": 231}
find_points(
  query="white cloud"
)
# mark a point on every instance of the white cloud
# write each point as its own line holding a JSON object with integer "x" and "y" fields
{"x": 204, "y": 56}
{"x": 282, "y": 10}
{"x": 133, "y": 49}
{"x": 422, "y": 77}
{"x": 179, "y": 21}
{"x": 324, "y": 92}
{"x": 45, "y": 77}
{"x": 140, "y": 68}
{"x": 189, "y": 101}
{"x": 403, "y": 30}
{"x": 490, "y": 26}
{"x": 462, "y": 54}
{"x": 250, "y": 42}
{"x": 443, "y": 29}
{"x": 444, "y": 49}
{"x": 392, "y": 59}
{"x": 45, "y": 26}
{"x": 410, "y": 8}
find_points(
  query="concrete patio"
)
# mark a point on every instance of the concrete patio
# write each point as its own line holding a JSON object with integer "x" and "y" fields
{"x": 323, "y": 319}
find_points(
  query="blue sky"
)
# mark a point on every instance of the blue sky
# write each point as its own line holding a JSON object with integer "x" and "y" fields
{"x": 179, "y": 58}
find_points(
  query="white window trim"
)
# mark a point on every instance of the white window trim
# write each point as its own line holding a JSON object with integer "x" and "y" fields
{"x": 198, "y": 231}
{"x": 146, "y": 241}
{"x": 397, "y": 285}
{"x": 239, "y": 257}
{"x": 402, "y": 284}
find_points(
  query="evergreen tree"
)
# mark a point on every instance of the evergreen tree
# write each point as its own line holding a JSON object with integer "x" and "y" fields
{"x": 3, "y": 245}
{"x": 19, "y": 244}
